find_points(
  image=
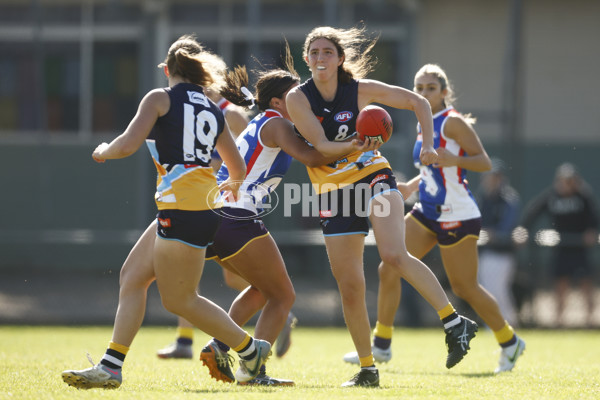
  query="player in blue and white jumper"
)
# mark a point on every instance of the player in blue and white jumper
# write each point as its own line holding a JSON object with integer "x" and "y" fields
{"x": 446, "y": 215}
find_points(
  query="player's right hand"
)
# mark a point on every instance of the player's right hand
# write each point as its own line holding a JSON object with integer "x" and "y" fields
{"x": 230, "y": 189}
{"x": 96, "y": 155}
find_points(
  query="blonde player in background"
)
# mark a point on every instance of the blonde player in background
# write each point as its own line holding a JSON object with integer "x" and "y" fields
{"x": 446, "y": 215}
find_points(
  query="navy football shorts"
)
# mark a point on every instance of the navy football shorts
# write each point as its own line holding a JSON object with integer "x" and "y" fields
{"x": 346, "y": 211}
{"x": 194, "y": 228}
{"x": 238, "y": 228}
{"x": 449, "y": 232}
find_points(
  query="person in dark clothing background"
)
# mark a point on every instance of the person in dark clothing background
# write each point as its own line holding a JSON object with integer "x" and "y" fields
{"x": 500, "y": 206}
{"x": 571, "y": 208}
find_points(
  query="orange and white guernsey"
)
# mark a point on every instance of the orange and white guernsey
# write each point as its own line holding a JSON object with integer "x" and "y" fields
{"x": 181, "y": 144}
{"x": 338, "y": 119}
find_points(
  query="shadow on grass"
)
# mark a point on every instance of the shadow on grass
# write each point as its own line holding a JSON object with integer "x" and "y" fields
{"x": 235, "y": 389}
{"x": 479, "y": 375}
{"x": 465, "y": 374}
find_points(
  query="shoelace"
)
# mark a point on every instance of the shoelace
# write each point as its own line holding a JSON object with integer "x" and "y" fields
{"x": 356, "y": 377}
{"x": 223, "y": 359}
{"x": 451, "y": 339}
{"x": 463, "y": 338}
{"x": 89, "y": 357}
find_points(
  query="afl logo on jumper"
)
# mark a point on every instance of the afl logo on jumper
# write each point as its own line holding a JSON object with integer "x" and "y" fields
{"x": 197, "y": 98}
{"x": 343, "y": 116}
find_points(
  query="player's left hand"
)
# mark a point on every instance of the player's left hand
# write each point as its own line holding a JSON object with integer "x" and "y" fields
{"x": 428, "y": 155}
{"x": 445, "y": 158}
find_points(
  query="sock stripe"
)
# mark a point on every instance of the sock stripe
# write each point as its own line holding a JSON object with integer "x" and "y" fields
{"x": 112, "y": 360}
{"x": 110, "y": 365}
{"x": 505, "y": 335}
{"x": 118, "y": 347}
{"x": 452, "y": 323}
{"x": 113, "y": 353}
{"x": 186, "y": 333}
{"x": 446, "y": 311}
{"x": 381, "y": 343}
{"x": 185, "y": 341}
{"x": 383, "y": 331}
{"x": 244, "y": 345}
{"x": 367, "y": 361}
{"x": 249, "y": 352}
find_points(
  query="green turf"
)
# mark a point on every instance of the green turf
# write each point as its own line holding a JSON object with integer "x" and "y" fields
{"x": 556, "y": 365}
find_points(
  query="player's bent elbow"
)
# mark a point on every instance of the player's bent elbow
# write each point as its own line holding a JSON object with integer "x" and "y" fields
{"x": 488, "y": 165}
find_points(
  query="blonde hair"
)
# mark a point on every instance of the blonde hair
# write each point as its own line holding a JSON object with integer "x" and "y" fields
{"x": 445, "y": 84}
{"x": 352, "y": 44}
{"x": 188, "y": 59}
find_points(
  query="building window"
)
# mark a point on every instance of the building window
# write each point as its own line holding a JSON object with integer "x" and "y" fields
{"x": 115, "y": 85}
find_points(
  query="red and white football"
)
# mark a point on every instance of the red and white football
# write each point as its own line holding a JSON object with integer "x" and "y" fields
{"x": 375, "y": 122}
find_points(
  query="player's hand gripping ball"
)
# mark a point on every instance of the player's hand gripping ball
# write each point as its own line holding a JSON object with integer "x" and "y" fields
{"x": 374, "y": 122}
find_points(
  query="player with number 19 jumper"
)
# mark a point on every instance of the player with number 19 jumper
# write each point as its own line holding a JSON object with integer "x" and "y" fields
{"x": 181, "y": 127}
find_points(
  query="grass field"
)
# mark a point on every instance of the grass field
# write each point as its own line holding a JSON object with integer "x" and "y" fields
{"x": 556, "y": 365}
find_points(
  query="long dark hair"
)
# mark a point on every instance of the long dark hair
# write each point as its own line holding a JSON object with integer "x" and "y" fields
{"x": 352, "y": 44}
{"x": 270, "y": 83}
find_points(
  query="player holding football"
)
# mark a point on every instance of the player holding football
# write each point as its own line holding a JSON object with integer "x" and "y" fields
{"x": 448, "y": 216}
{"x": 324, "y": 110}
